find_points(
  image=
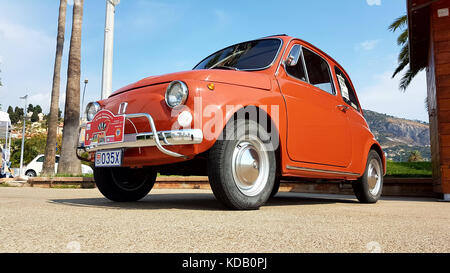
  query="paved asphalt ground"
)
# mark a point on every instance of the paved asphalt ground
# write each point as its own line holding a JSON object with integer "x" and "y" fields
{"x": 66, "y": 220}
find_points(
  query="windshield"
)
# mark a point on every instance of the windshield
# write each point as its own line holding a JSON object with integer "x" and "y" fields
{"x": 251, "y": 55}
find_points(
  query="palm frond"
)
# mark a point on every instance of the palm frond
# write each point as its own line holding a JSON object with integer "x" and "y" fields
{"x": 400, "y": 67}
{"x": 404, "y": 54}
{"x": 400, "y": 22}
{"x": 403, "y": 38}
{"x": 403, "y": 60}
{"x": 407, "y": 78}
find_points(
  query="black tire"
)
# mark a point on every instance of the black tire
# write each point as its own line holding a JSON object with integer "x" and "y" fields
{"x": 221, "y": 170}
{"x": 30, "y": 173}
{"x": 276, "y": 187}
{"x": 124, "y": 184}
{"x": 364, "y": 192}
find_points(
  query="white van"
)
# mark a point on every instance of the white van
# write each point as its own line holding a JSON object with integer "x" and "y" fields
{"x": 34, "y": 168}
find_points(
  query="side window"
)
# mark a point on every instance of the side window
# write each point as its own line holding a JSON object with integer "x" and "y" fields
{"x": 297, "y": 70}
{"x": 40, "y": 159}
{"x": 347, "y": 92}
{"x": 318, "y": 71}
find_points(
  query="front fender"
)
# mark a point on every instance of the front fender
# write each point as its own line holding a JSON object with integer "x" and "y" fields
{"x": 215, "y": 108}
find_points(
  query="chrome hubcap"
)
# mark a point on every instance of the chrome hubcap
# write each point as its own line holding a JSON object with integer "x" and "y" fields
{"x": 250, "y": 166}
{"x": 374, "y": 177}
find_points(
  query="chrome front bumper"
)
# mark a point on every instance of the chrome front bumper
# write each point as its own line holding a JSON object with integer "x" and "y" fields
{"x": 148, "y": 139}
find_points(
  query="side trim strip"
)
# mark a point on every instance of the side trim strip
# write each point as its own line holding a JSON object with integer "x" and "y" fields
{"x": 319, "y": 171}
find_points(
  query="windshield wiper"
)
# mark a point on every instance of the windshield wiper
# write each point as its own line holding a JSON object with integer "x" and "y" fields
{"x": 224, "y": 67}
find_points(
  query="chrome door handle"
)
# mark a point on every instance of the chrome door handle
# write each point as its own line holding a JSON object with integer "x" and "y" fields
{"x": 342, "y": 107}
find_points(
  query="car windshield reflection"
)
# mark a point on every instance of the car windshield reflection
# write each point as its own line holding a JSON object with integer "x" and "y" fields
{"x": 252, "y": 55}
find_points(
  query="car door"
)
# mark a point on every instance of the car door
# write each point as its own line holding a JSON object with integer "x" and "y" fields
{"x": 39, "y": 164}
{"x": 318, "y": 129}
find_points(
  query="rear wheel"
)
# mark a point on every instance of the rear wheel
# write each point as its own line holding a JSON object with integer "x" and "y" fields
{"x": 368, "y": 187}
{"x": 31, "y": 173}
{"x": 124, "y": 184}
{"x": 241, "y": 168}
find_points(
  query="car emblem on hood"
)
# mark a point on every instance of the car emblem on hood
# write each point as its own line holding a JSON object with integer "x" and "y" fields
{"x": 102, "y": 126}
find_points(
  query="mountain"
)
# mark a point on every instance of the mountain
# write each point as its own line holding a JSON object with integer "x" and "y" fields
{"x": 398, "y": 136}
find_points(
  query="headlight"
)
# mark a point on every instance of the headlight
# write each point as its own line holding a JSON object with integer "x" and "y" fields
{"x": 176, "y": 93}
{"x": 91, "y": 109}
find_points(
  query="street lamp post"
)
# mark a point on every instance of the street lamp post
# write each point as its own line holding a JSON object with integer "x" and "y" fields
{"x": 82, "y": 100}
{"x": 108, "y": 48}
{"x": 23, "y": 134}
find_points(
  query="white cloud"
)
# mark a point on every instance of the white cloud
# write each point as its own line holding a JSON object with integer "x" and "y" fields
{"x": 373, "y": 2}
{"x": 367, "y": 45}
{"x": 384, "y": 96}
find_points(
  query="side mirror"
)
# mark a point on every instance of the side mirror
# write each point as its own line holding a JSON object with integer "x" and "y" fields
{"x": 293, "y": 57}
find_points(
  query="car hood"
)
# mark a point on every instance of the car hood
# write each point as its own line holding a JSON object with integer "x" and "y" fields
{"x": 243, "y": 78}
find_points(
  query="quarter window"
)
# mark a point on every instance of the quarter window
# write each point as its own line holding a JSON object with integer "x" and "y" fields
{"x": 347, "y": 92}
{"x": 296, "y": 71}
{"x": 318, "y": 71}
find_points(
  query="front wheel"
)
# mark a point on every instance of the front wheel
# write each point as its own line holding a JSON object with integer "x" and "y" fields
{"x": 124, "y": 184}
{"x": 368, "y": 187}
{"x": 242, "y": 166}
{"x": 276, "y": 187}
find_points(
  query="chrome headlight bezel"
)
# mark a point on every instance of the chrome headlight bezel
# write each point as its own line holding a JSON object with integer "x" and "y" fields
{"x": 92, "y": 109}
{"x": 183, "y": 92}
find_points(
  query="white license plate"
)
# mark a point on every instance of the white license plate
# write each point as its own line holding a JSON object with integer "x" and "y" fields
{"x": 110, "y": 158}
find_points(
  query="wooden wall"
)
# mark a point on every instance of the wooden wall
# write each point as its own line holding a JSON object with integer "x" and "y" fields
{"x": 438, "y": 77}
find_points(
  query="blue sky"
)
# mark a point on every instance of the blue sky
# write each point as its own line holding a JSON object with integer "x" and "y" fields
{"x": 157, "y": 37}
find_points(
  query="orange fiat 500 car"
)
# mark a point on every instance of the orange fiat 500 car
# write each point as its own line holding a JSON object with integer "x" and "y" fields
{"x": 246, "y": 116}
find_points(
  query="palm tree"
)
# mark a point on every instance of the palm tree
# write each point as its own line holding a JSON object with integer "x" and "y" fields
{"x": 415, "y": 156}
{"x": 69, "y": 163}
{"x": 401, "y": 23}
{"x": 50, "y": 149}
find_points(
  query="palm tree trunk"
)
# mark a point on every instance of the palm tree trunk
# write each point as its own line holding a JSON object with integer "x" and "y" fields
{"x": 69, "y": 163}
{"x": 50, "y": 148}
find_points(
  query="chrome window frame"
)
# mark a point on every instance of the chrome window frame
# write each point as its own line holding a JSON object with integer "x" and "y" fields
{"x": 253, "y": 69}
